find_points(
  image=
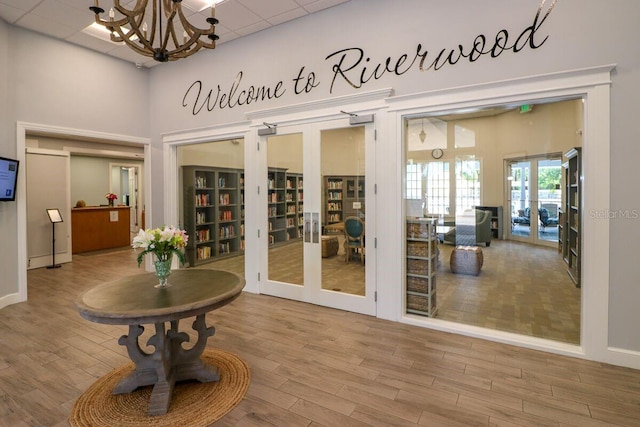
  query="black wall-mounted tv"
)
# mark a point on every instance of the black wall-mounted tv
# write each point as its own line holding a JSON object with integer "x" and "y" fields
{"x": 8, "y": 179}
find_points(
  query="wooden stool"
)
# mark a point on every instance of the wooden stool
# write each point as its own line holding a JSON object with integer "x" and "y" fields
{"x": 466, "y": 260}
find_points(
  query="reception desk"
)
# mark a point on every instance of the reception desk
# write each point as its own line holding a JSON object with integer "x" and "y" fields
{"x": 100, "y": 227}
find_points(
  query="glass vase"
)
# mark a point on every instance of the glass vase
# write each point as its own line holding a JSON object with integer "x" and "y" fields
{"x": 163, "y": 270}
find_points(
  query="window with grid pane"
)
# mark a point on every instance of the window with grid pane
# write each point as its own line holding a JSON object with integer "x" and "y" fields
{"x": 414, "y": 181}
{"x": 437, "y": 185}
{"x": 467, "y": 183}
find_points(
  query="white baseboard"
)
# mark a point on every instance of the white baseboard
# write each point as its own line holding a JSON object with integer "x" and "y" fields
{"x": 10, "y": 299}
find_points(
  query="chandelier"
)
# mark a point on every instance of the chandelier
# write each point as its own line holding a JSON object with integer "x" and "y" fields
{"x": 423, "y": 134}
{"x": 163, "y": 41}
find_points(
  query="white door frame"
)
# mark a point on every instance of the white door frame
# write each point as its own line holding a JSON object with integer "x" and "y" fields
{"x": 137, "y": 218}
{"x": 22, "y": 128}
{"x": 593, "y": 84}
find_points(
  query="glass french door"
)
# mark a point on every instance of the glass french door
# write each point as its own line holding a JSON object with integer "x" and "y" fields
{"x": 315, "y": 189}
{"x": 534, "y": 194}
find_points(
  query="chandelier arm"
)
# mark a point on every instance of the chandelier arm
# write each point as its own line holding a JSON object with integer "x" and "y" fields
{"x": 192, "y": 29}
{"x": 131, "y": 43}
{"x": 194, "y": 34}
{"x": 109, "y": 24}
{"x": 134, "y": 18}
{"x": 138, "y": 9}
{"x": 136, "y": 30}
{"x": 170, "y": 14}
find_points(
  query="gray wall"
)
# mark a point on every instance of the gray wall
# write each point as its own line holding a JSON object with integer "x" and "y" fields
{"x": 90, "y": 179}
{"x": 54, "y": 83}
{"x": 581, "y": 34}
{"x": 8, "y": 221}
{"x": 49, "y": 82}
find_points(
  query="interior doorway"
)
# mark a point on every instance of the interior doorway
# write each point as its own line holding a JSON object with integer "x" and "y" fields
{"x": 125, "y": 180}
{"x": 212, "y": 203}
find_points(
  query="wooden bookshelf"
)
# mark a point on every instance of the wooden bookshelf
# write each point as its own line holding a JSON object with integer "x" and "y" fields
{"x": 572, "y": 214}
{"x": 213, "y": 213}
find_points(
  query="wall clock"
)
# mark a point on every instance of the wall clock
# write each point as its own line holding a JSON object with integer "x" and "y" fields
{"x": 437, "y": 153}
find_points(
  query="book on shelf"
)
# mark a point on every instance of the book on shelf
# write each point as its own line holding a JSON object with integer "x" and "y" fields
{"x": 203, "y": 199}
{"x": 201, "y": 182}
{"x": 201, "y": 218}
{"x": 227, "y": 231}
{"x": 204, "y": 252}
{"x": 203, "y": 235}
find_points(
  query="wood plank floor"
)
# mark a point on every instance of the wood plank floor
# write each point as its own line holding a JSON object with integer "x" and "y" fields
{"x": 310, "y": 365}
{"x": 522, "y": 288}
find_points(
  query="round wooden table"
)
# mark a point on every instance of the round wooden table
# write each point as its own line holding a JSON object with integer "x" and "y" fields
{"x": 135, "y": 301}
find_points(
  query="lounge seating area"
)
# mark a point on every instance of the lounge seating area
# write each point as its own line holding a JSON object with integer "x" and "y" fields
{"x": 546, "y": 220}
{"x": 470, "y": 230}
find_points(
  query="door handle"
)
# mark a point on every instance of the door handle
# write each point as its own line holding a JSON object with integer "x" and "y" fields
{"x": 316, "y": 227}
{"x": 307, "y": 227}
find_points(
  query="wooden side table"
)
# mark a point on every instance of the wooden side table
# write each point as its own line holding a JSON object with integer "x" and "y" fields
{"x": 135, "y": 301}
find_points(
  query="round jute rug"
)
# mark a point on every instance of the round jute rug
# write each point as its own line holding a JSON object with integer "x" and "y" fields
{"x": 193, "y": 404}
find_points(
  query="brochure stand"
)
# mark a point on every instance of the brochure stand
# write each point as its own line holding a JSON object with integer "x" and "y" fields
{"x": 54, "y": 217}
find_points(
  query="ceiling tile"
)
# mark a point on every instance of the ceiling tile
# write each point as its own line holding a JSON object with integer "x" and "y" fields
{"x": 259, "y": 26}
{"x": 54, "y": 10}
{"x": 271, "y": 8}
{"x": 319, "y": 5}
{"x": 79, "y": 4}
{"x": 45, "y": 26}
{"x": 10, "y": 13}
{"x": 234, "y": 15}
{"x": 21, "y": 4}
{"x": 287, "y": 16}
